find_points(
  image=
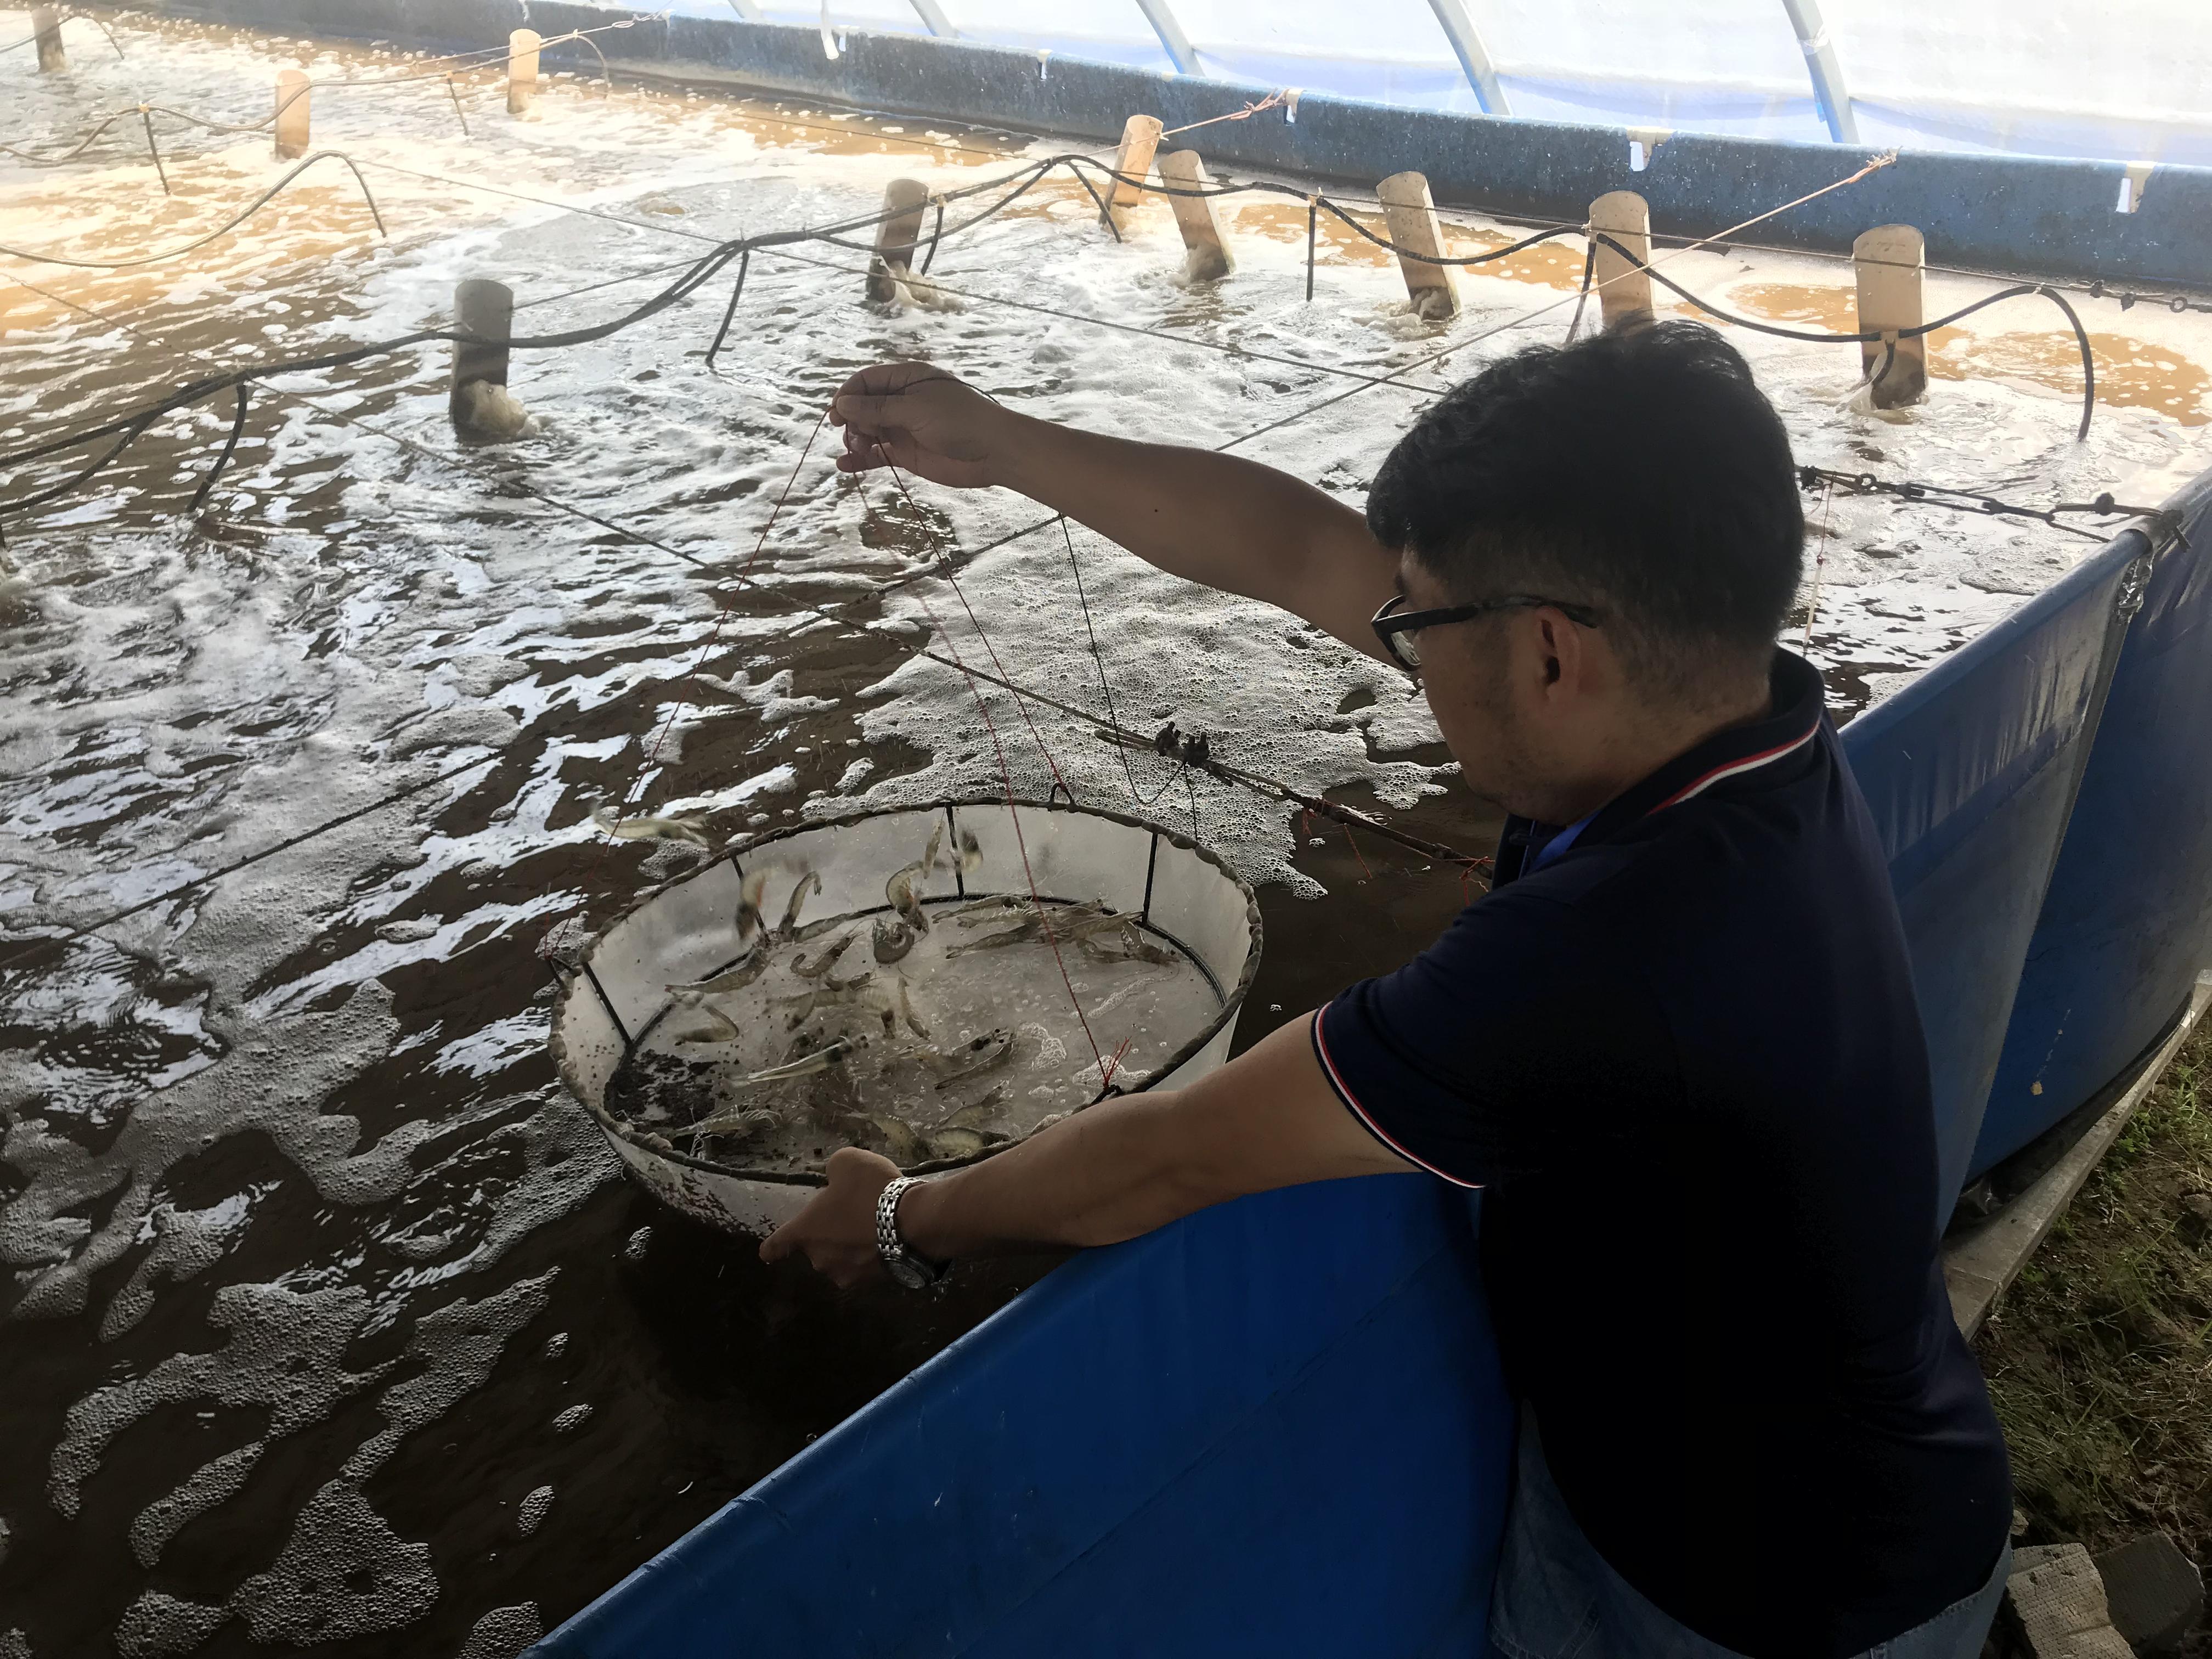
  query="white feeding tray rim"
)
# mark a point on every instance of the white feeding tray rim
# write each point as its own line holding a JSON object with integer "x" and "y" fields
{"x": 582, "y": 980}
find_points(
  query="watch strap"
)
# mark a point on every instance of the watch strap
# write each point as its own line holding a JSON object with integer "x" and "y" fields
{"x": 890, "y": 1243}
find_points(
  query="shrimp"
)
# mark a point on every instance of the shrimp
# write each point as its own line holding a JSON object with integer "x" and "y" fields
{"x": 822, "y": 963}
{"x": 706, "y": 1025}
{"x": 970, "y": 1058}
{"x": 809, "y": 882}
{"x": 899, "y": 892}
{"x": 750, "y": 891}
{"x": 691, "y": 831}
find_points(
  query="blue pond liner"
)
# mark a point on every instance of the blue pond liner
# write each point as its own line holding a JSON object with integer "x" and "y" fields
{"x": 1970, "y": 772}
{"x": 1277, "y": 1426}
{"x": 2127, "y": 922}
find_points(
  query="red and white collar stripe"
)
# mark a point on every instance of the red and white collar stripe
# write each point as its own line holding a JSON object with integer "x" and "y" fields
{"x": 1344, "y": 1093}
{"x": 1737, "y": 769}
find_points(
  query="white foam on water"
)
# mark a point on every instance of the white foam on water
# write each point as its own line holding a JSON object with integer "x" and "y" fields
{"x": 503, "y": 1632}
{"x": 530, "y": 1514}
{"x": 344, "y": 1572}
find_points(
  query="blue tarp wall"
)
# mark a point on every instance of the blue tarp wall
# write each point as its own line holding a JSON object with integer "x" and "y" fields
{"x": 1971, "y": 772}
{"x": 2126, "y": 925}
{"x": 1276, "y": 1427}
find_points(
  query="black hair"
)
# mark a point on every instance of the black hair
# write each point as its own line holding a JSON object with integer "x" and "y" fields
{"x": 1640, "y": 471}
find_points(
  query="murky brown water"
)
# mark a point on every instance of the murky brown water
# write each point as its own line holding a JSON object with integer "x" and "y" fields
{"x": 328, "y": 1326}
{"x": 2131, "y": 373}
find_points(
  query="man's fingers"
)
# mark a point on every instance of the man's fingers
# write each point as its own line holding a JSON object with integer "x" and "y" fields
{"x": 777, "y": 1245}
{"x": 871, "y": 411}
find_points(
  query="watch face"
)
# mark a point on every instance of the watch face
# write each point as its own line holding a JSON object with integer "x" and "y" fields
{"x": 907, "y": 1272}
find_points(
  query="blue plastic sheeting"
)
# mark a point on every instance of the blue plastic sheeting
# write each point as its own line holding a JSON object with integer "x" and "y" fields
{"x": 2128, "y": 923}
{"x": 1278, "y": 1426}
{"x": 1970, "y": 772}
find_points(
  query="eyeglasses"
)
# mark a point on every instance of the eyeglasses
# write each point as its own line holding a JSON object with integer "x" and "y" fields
{"x": 1395, "y": 626}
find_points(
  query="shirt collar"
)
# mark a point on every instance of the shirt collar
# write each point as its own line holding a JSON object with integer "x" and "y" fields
{"x": 1755, "y": 753}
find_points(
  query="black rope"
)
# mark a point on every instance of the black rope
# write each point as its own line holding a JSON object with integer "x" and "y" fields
{"x": 1105, "y": 213}
{"x": 700, "y": 271}
{"x": 729, "y": 316}
{"x": 127, "y": 434}
{"x": 1589, "y": 270}
{"x": 1888, "y": 361}
{"x": 70, "y": 17}
{"x": 128, "y": 427}
{"x": 494, "y": 58}
{"x": 936, "y": 235}
{"x": 230, "y": 449}
{"x": 1014, "y": 186}
{"x": 83, "y": 144}
{"x": 155, "y": 149}
{"x": 1231, "y": 350}
{"x": 1871, "y": 335}
{"x": 1313, "y": 231}
{"x": 223, "y": 229}
{"x": 1077, "y": 164}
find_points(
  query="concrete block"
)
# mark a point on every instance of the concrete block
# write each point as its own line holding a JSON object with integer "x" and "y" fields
{"x": 2155, "y": 1592}
{"x": 2057, "y": 1600}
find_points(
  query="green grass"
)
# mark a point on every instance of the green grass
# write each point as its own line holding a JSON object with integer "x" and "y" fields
{"x": 2099, "y": 1358}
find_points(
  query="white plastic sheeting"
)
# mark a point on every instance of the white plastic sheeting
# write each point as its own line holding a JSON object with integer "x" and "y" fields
{"x": 2129, "y": 81}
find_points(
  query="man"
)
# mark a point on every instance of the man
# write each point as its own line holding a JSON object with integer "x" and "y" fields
{"x": 1677, "y": 1042}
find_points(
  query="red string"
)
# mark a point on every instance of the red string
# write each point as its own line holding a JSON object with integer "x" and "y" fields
{"x": 1270, "y": 101}
{"x": 1357, "y": 854}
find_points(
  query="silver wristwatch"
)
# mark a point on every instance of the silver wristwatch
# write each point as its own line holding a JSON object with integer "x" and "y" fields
{"x": 915, "y": 1272}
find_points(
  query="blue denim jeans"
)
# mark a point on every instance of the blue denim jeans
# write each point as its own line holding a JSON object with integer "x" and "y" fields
{"x": 1556, "y": 1597}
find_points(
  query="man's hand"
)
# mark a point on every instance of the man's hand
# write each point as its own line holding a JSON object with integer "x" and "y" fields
{"x": 1227, "y": 522}
{"x": 922, "y": 421}
{"x": 1109, "y": 1172}
{"x": 837, "y": 1228}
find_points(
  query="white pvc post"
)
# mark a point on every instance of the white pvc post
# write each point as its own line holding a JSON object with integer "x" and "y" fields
{"x": 485, "y": 308}
{"x": 1890, "y": 260}
{"x": 1140, "y": 138}
{"x": 1410, "y": 213}
{"x": 906, "y": 200}
{"x": 294, "y": 91}
{"x": 46, "y": 26}
{"x": 521, "y": 69}
{"x": 1207, "y": 258}
{"x": 1625, "y": 289}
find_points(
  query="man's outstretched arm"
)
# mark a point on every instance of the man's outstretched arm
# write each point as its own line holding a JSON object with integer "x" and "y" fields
{"x": 1219, "y": 520}
{"x": 1267, "y": 1119}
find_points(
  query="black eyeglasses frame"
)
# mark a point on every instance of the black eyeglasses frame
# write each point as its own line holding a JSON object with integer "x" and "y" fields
{"x": 1391, "y": 624}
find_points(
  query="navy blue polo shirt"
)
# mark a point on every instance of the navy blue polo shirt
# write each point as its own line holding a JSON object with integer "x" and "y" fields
{"x": 1683, "y": 1057}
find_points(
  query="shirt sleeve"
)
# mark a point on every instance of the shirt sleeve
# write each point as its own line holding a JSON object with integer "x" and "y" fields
{"x": 1518, "y": 1041}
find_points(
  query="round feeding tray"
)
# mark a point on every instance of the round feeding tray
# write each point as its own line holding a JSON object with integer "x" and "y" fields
{"x": 885, "y": 980}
